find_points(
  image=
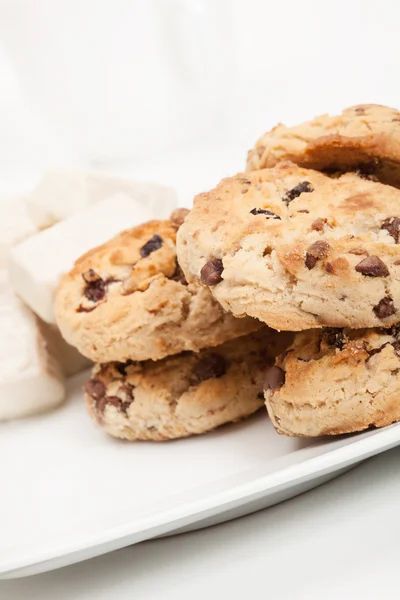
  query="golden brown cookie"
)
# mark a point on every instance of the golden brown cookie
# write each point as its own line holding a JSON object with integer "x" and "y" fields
{"x": 335, "y": 381}
{"x": 364, "y": 138}
{"x": 183, "y": 395}
{"x": 128, "y": 299}
{"x": 298, "y": 249}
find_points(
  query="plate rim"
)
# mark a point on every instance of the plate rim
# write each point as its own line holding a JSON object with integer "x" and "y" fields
{"x": 358, "y": 449}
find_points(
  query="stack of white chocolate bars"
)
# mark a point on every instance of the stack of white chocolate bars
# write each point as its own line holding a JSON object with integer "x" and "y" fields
{"x": 280, "y": 287}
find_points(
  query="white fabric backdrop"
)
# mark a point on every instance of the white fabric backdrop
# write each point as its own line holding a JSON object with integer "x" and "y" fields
{"x": 267, "y": 62}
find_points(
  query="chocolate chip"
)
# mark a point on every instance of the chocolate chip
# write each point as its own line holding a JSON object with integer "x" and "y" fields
{"x": 260, "y": 396}
{"x": 316, "y": 251}
{"x": 396, "y": 346}
{"x": 274, "y": 378}
{"x": 318, "y": 225}
{"x": 372, "y": 266}
{"x": 264, "y": 211}
{"x": 211, "y": 273}
{"x": 335, "y": 337}
{"x": 358, "y": 251}
{"x": 95, "y": 389}
{"x": 152, "y": 245}
{"x": 377, "y": 350}
{"x": 392, "y": 226}
{"x": 311, "y": 261}
{"x": 384, "y": 308}
{"x": 244, "y": 180}
{"x": 303, "y": 211}
{"x": 95, "y": 288}
{"x": 111, "y": 400}
{"x": 329, "y": 267}
{"x": 396, "y": 262}
{"x": 121, "y": 367}
{"x": 360, "y": 110}
{"x": 303, "y": 187}
{"x": 95, "y": 291}
{"x": 212, "y": 366}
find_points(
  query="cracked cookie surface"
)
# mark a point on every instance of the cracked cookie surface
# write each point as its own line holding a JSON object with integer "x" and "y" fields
{"x": 298, "y": 249}
{"x": 363, "y": 138}
{"x": 128, "y": 299}
{"x": 335, "y": 381}
{"x": 183, "y": 395}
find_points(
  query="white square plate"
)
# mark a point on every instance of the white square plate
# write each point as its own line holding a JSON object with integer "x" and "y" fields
{"x": 69, "y": 492}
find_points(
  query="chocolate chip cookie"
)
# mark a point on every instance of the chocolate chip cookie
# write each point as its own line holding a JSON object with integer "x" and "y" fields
{"x": 129, "y": 299}
{"x": 298, "y": 249}
{"x": 335, "y": 381}
{"x": 364, "y": 138}
{"x": 183, "y": 395}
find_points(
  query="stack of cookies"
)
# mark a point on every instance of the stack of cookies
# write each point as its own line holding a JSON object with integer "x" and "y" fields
{"x": 307, "y": 240}
{"x": 282, "y": 285}
{"x": 170, "y": 362}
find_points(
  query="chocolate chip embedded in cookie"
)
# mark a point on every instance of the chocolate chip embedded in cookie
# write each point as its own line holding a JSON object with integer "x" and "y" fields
{"x": 129, "y": 299}
{"x": 372, "y": 266}
{"x": 183, "y": 395}
{"x": 315, "y": 252}
{"x": 152, "y": 245}
{"x": 274, "y": 379}
{"x": 385, "y": 308}
{"x": 392, "y": 226}
{"x": 212, "y": 366}
{"x": 301, "y": 188}
{"x": 336, "y": 381}
{"x": 364, "y": 139}
{"x": 299, "y": 250}
{"x": 211, "y": 273}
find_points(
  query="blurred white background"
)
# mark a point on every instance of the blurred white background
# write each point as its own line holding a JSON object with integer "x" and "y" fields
{"x": 142, "y": 86}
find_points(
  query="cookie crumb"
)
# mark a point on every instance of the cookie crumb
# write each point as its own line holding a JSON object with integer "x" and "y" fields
{"x": 318, "y": 224}
{"x": 90, "y": 276}
{"x": 359, "y": 252}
